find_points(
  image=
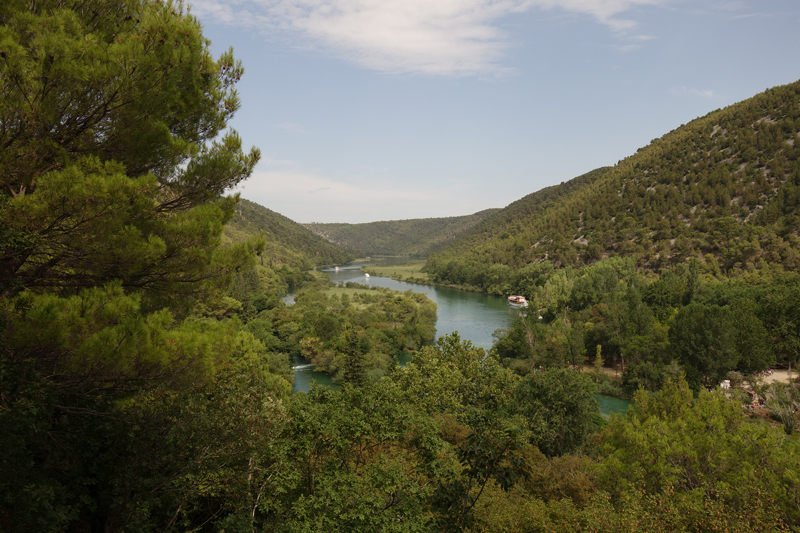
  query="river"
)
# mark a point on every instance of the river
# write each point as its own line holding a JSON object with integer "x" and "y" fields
{"x": 473, "y": 315}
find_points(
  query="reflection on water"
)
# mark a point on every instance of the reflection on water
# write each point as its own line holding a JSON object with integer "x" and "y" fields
{"x": 304, "y": 376}
{"x": 475, "y": 316}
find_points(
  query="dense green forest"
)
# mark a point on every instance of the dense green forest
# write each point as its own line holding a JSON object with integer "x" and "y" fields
{"x": 287, "y": 242}
{"x": 415, "y": 237}
{"x": 652, "y": 328}
{"x": 723, "y": 188}
{"x": 145, "y": 360}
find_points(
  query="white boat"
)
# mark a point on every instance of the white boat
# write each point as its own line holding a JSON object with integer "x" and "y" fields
{"x": 515, "y": 299}
{"x": 366, "y": 276}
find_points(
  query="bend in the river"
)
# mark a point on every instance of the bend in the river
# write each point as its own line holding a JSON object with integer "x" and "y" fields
{"x": 473, "y": 315}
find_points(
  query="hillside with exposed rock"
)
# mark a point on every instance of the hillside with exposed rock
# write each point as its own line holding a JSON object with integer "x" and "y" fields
{"x": 724, "y": 188}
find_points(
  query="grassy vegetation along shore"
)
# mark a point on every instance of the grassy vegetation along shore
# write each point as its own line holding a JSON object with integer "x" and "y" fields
{"x": 410, "y": 272}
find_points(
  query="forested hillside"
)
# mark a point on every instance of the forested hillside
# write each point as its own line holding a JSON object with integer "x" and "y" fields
{"x": 724, "y": 188}
{"x": 517, "y": 216}
{"x": 146, "y": 367}
{"x": 415, "y": 237}
{"x": 287, "y": 242}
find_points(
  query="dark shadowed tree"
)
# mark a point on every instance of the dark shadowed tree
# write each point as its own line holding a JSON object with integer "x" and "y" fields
{"x": 112, "y": 175}
{"x": 702, "y": 339}
{"x": 558, "y": 408}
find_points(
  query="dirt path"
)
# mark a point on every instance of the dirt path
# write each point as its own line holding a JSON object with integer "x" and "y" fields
{"x": 782, "y": 376}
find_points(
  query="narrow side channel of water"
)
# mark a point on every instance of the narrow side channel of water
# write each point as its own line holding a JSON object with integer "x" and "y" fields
{"x": 609, "y": 404}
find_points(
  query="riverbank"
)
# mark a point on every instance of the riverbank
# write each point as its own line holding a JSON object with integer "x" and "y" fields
{"x": 411, "y": 272}
{"x": 474, "y": 316}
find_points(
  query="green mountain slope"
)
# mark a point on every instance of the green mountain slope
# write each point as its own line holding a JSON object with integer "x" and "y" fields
{"x": 723, "y": 188}
{"x": 288, "y": 243}
{"x": 420, "y": 237}
{"x": 515, "y": 218}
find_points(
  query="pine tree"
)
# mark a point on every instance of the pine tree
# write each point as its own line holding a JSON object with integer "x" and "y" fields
{"x": 111, "y": 212}
{"x": 110, "y": 109}
{"x": 598, "y": 359}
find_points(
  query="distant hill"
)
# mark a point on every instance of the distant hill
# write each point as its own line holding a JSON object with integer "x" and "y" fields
{"x": 419, "y": 237}
{"x": 724, "y": 188}
{"x": 288, "y": 243}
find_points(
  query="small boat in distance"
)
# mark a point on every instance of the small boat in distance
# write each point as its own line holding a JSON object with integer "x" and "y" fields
{"x": 518, "y": 300}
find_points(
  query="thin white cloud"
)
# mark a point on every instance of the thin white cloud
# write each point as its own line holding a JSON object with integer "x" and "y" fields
{"x": 737, "y": 9}
{"x": 605, "y": 11}
{"x": 442, "y": 37}
{"x": 627, "y": 47}
{"x": 752, "y": 15}
{"x": 302, "y": 186}
{"x": 730, "y": 5}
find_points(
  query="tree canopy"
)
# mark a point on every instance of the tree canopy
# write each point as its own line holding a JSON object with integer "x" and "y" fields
{"x": 110, "y": 164}
{"x": 114, "y": 162}
{"x": 145, "y": 368}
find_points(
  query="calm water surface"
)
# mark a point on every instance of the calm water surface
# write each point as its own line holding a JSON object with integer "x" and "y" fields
{"x": 473, "y": 315}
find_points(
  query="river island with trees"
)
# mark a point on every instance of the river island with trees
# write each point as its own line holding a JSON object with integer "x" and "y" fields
{"x": 146, "y": 355}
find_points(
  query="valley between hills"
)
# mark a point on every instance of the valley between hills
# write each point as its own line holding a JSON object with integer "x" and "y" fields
{"x": 147, "y": 356}
{"x": 676, "y": 270}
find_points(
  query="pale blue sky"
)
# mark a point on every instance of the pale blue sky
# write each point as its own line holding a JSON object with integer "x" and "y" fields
{"x": 393, "y": 109}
